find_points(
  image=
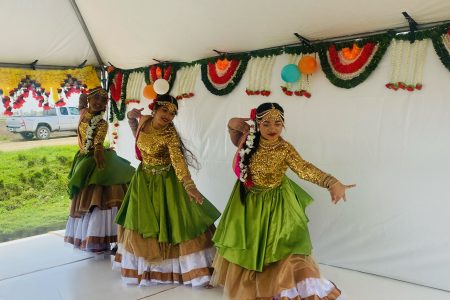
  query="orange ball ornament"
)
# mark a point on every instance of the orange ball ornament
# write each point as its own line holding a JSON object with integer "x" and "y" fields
{"x": 149, "y": 92}
{"x": 307, "y": 64}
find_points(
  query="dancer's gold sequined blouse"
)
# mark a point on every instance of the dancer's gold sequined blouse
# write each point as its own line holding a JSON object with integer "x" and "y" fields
{"x": 270, "y": 161}
{"x": 163, "y": 147}
{"x": 99, "y": 133}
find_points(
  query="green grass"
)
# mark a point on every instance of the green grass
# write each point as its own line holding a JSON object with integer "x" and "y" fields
{"x": 33, "y": 191}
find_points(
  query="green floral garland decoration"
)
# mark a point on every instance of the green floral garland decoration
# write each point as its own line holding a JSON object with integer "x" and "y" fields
{"x": 382, "y": 41}
{"x": 439, "y": 46}
{"x": 119, "y": 113}
{"x": 243, "y": 59}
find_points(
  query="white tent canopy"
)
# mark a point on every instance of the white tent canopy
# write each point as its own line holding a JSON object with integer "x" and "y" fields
{"x": 130, "y": 34}
{"x": 393, "y": 145}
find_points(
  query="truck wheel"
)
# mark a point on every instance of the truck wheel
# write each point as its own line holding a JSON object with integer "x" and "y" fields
{"x": 27, "y": 135}
{"x": 42, "y": 132}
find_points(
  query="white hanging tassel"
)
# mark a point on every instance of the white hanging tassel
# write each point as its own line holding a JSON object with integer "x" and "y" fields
{"x": 184, "y": 85}
{"x": 407, "y": 63}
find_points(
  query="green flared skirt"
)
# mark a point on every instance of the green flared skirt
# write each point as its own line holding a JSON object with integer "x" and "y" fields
{"x": 157, "y": 205}
{"x": 270, "y": 226}
{"x": 84, "y": 171}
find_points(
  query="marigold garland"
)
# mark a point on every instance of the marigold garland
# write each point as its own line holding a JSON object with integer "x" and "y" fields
{"x": 222, "y": 82}
{"x": 348, "y": 74}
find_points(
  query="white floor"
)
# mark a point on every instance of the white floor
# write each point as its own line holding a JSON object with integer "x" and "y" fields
{"x": 42, "y": 267}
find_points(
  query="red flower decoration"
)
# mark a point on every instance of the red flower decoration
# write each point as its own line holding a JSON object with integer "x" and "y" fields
{"x": 253, "y": 114}
{"x": 152, "y": 105}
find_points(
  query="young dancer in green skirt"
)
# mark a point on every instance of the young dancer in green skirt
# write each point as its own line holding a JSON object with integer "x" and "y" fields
{"x": 262, "y": 239}
{"x": 165, "y": 223}
{"x": 97, "y": 180}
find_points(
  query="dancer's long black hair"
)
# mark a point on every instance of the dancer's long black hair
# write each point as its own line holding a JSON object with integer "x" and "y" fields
{"x": 190, "y": 158}
{"x": 260, "y": 110}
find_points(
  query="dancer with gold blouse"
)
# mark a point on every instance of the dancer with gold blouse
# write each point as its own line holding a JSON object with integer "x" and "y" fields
{"x": 97, "y": 180}
{"x": 166, "y": 225}
{"x": 262, "y": 239}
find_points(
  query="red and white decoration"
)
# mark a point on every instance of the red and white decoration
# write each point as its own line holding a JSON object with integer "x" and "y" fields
{"x": 301, "y": 87}
{"x": 115, "y": 87}
{"x": 70, "y": 86}
{"x": 6, "y": 101}
{"x": 26, "y": 88}
{"x": 259, "y": 72}
{"x": 158, "y": 72}
{"x": 184, "y": 85}
{"x": 407, "y": 63}
{"x": 115, "y": 94}
{"x": 346, "y": 66}
{"x": 223, "y": 75}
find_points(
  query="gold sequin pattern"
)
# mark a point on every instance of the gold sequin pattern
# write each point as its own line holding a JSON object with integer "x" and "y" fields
{"x": 270, "y": 162}
{"x": 162, "y": 147}
{"x": 99, "y": 133}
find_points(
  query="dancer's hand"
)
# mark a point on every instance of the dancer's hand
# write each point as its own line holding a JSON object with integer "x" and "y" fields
{"x": 337, "y": 191}
{"x": 135, "y": 113}
{"x": 99, "y": 157}
{"x": 195, "y": 195}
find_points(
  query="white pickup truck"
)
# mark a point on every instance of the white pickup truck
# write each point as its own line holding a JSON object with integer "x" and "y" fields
{"x": 41, "y": 123}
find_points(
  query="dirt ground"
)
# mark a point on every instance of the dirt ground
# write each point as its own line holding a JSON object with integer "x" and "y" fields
{"x": 12, "y": 142}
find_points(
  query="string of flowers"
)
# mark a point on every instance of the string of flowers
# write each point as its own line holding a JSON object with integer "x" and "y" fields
{"x": 241, "y": 168}
{"x": 115, "y": 134}
{"x": 407, "y": 63}
{"x": 380, "y": 43}
{"x": 115, "y": 111}
{"x": 135, "y": 85}
{"x": 259, "y": 70}
{"x": 185, "y": 83}
{"x": 90, "y": 131}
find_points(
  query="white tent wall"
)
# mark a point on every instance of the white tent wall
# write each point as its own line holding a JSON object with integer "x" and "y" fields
{"x": 393, "y": 145}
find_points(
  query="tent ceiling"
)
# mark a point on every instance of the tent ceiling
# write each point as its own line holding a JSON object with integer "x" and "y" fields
{"x": 131, "y": 33}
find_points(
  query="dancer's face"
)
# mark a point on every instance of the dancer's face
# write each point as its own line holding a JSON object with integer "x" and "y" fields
{"x": 271, "y": 129}
{"x": 163, "y": 116}
{"x": 97, "y": 103}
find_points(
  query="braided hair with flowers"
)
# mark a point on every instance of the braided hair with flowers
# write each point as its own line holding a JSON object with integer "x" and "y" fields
{"x": 251, "y": 143}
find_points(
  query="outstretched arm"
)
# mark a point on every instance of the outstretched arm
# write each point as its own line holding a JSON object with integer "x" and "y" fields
{"x": 237, "y": 128}
{"x": 307, "y": 171}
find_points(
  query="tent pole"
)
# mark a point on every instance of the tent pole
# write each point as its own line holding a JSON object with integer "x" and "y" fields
{"x": 86, "y": 31}
{"x": 29, "y": 66}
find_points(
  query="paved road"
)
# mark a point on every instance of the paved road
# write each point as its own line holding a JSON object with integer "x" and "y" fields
{"x": 23, "y": 144}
